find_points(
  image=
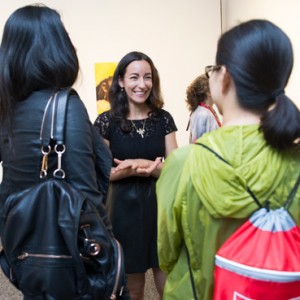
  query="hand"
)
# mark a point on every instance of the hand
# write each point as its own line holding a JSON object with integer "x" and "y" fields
{"x": 148, "y": 170}
{"x": 140, "y": 167}
{"x": 127, "y": 164}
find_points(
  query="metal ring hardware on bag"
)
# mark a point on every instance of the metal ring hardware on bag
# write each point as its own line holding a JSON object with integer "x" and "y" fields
{"x": 91, "y": 247}
{"x": 94, "y": 247}
{"x": 59, "y": 172}
{"x": 44, "y": 168}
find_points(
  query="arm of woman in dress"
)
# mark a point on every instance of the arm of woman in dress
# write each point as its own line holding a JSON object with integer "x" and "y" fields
{"x": 171, "y": 144}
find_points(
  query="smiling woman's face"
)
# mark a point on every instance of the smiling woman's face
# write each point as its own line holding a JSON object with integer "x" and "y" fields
{"x": 137, "y": 81}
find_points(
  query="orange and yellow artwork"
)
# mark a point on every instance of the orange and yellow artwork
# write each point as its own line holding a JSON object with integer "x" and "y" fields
{"x": 103, "y": 75}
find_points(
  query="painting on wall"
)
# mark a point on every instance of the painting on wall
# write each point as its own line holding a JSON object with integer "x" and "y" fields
{"x": 103, "y": 75}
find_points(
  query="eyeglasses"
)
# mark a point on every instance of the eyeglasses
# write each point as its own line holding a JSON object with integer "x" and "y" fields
{"x": 210, "y": 69}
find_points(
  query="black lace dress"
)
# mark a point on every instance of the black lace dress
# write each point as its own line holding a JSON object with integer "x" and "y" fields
{"x": 131, "y": 201}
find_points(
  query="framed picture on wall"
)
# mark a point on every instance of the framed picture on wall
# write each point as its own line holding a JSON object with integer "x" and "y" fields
{"x": 103, "y": 76}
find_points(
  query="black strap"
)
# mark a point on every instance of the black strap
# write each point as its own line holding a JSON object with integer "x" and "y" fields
{"x": 189, "y": 122}
{"x": 291, "y": 196}
{"x": 191, "y": 274}
{"x": 54, "y": 117}
{"x": 52, "y": 130}
{"x": 60, "y": 116}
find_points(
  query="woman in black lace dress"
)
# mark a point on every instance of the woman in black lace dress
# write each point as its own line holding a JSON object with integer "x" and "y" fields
{"x": 140, "y": 134}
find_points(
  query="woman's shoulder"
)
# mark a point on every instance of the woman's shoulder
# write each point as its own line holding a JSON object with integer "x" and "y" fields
{"x": 75, "y": 100}
{"x": 164, "y": 113}
{"x": 166, "y": 119}
{"x": 76, "y": 107}
{"x": 105, "y": 117}
{"x": 202, "y": 111}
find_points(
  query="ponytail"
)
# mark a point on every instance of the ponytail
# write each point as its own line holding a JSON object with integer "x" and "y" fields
{"x": 281, "y": 124}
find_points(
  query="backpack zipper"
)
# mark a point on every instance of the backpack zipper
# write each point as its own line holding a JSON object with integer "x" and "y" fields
{"x": 114, "y": 291}
{"x": 115, "y": 288}
{"x": 26, "y": 255}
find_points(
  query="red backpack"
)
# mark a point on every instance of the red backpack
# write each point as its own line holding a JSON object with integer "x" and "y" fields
{"x": 261, "y": 259}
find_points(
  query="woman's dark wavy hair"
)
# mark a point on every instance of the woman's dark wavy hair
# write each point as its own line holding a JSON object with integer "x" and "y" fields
{"x": 197, "y": 92}
{"x": 259, "y": 57}
{"x": 36, "y": 53}
{"x": 118, "y": 98}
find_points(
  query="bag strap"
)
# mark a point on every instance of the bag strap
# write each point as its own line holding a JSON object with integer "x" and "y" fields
{"x": 52, "y": 130}
{"x": 191, "y": 274}
{"x": 290, "y": 198}
{"x": 292, "y": 194}
{"x": 53, "y": 122}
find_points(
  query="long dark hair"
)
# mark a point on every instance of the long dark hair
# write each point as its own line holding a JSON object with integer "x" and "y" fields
{"x": 36, "y": 53}
{"x": 118, "y": 98}
{"x": 259, "y": 57}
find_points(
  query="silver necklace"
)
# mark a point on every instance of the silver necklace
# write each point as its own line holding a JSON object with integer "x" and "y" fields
{"x": 140, "y": 131}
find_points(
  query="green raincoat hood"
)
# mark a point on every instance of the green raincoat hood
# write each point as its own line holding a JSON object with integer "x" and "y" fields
{"x": 223, "y": 187}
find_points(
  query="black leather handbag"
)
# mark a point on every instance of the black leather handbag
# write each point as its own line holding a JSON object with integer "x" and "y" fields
{"x": 55, "y": 243}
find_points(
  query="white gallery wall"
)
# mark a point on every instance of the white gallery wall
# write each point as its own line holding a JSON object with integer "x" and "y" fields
{"x": 179, "y": 36}
{"x": 284, "y": 13}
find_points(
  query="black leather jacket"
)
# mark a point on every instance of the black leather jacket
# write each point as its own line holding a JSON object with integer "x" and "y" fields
{"x": 86, "y": 161}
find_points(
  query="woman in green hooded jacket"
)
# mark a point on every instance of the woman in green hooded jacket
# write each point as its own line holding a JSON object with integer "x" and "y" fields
{"x": 201, "y": 199}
